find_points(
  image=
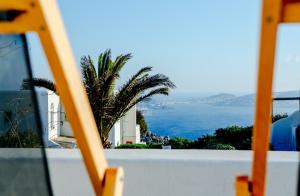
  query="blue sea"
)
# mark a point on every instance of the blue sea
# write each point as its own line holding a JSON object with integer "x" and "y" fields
{"x": 184, "y": 117}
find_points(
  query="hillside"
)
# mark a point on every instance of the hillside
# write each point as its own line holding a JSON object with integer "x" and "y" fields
{"x": 246, "y": 100}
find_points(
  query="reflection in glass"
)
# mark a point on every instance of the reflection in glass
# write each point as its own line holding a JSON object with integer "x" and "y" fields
{"x": 23, "y": 166}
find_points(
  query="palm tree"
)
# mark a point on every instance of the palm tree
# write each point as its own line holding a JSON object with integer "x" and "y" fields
{"x": 109, "y": 106}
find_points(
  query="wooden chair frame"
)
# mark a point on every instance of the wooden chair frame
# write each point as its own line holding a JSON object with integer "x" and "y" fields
{"x": 274, "y": 12}
{"x": 43, "y": 17}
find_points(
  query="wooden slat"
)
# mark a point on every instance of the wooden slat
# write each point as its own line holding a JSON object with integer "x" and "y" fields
{"x": 271, "y": 11}
{"x": 15, "y": 4}
{"x": 241, "y": 186}
{"x": 291, "y": 12}
{"x": 23, "y": 23}
{"x": 72, "y": 93}
{"x": 113, "y": 185}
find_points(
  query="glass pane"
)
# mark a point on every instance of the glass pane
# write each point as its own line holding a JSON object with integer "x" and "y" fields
{"x": 23, "y": 169}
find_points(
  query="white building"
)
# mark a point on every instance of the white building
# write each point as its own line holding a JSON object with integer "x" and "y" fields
{"x": 53, "y": 117}
{"x": 54, "y": 120}
{"x": 125, "y": 131}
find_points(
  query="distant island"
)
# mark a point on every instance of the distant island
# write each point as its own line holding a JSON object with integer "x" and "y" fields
{"x": 225, "y": 99}
{"x": 219, "y": 99}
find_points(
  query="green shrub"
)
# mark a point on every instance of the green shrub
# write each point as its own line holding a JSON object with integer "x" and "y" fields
{"x": 278, "y": 117}
{"x": 219, "y": 146}
{"x": 154, "y": 146}
{"x": 180, "y": 143}
{"x": 139, "y": 146}
{"x": 238, "y": 137}
{"x": 136, "y": 146}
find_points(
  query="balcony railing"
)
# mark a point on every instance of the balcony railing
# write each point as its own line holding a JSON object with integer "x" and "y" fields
{"x": 169, "y": 172}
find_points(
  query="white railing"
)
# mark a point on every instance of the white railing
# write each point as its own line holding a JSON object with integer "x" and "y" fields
{"x": 173, "y": 172}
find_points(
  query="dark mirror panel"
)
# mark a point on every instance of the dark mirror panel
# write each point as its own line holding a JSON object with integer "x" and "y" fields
{"x": 23, "y": 165}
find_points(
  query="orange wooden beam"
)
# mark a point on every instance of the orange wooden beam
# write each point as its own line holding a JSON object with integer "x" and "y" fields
{"x": 271, "y": 15}
{"x": 71, "y": 91}
{"x": 274, "y": 12}
{"x": 290, "y": 11}
{"x": 112, "y": 185}
{"x": 43, "y": 17}
{"x": 242, "y": 186}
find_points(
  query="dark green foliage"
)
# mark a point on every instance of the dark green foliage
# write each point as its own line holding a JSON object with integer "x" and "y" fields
{"x": 238, "y": 137}
{"x": 136, "y": 146}
{"x": 139, "y": 146}
{"x": 140, "y": 120}
{"x": 278, "y": 117}
{"x": 15, "y": 139}
{"x": 154, "y": 146}
{"x": 220, "y": 146}
{"x": 180, "y": 143}
{"x": 229, "y": 138}
{"x": 206, "y": 142}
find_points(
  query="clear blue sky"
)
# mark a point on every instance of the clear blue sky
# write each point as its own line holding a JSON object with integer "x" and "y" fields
{"x": 203, "y": 46}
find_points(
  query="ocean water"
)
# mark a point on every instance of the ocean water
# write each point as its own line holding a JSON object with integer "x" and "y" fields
{"x": 190, "y": 119}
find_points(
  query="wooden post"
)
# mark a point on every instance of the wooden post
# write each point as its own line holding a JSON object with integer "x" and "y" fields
{"x": 42, "y": 17}
{"x": 242, "y": 186}
{"x": 274, "y": 12}
{"x": 271, "y": 11}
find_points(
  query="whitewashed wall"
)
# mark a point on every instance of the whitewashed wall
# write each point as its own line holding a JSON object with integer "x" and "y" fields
{"x": 174, "y": 172}
{"x": 115, "y": 135}
{"x": 65, "y": 129}
{"x": 54, "y": 121}
{"x": 137, "y": 134}
{"x": 128, "y": 126}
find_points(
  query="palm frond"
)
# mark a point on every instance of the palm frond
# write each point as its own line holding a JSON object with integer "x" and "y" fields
{"x": 147, "y": 97}
{"x": 141, "y": 73}
{"x": 100, "y": 67}
{"x": 92, "y": 84}
{"x": 109, "y": 76}
{"x": 140, "y": 85}
{"x": 28, "y": 84}
{"x": 89, "y": 75}
{"x": 104, "y": 62}
{"x": 108, "y": 84}
{"x": 119, "y": 63}
{"x": 135, "y": 91}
